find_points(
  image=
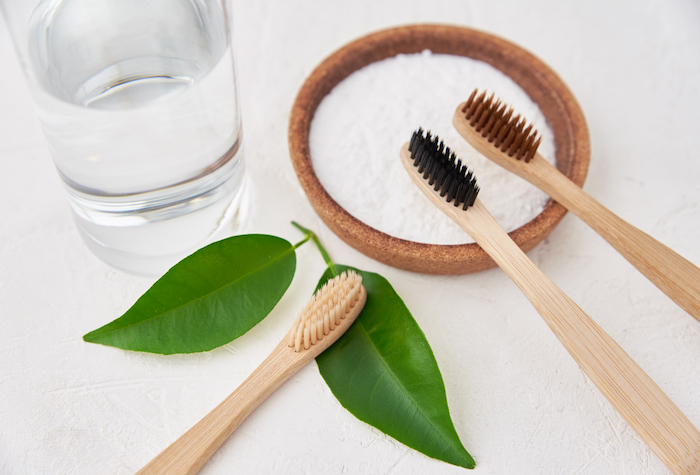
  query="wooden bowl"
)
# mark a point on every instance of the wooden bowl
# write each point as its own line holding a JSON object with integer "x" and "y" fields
{"x": 556, "y": 102}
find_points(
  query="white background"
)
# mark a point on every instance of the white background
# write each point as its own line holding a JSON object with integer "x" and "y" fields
{"x": 518, "y": 401}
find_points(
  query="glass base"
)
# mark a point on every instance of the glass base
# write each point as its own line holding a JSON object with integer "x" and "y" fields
{"x": 154, "y": 247}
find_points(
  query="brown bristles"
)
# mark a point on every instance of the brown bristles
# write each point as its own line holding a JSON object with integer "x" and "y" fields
{"x": 496, "y": 122}
{"x": 471, "y": 107}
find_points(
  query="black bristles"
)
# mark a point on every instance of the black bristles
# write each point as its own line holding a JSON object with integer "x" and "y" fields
{"x": 460, "y": 194}
{"x": 416, "y": 159}
{"x": 451, "y": 188}
{"x": 442, "y": 169}
{"x": 420, "y": 154}
{"x": 412, "y": 143}
{"x": 439, "y": 178}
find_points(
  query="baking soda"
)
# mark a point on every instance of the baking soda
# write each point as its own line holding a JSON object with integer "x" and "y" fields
{"x": 360, "y": 126}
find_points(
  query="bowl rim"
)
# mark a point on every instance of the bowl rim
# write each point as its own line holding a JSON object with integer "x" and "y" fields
{"x": 544, "y": 87}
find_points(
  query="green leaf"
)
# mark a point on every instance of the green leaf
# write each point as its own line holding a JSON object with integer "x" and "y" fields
{"x": 206, "y": 300}
{"x": 383, "y": 371}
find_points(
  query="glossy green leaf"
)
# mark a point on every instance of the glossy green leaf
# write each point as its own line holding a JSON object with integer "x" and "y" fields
{"x": 383, "y": 371}
{"x": 206, "y": 300}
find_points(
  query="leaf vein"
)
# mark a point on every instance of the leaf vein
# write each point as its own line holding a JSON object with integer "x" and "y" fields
{"x": 417, "y": 407}
{"x": 202, "y": 297}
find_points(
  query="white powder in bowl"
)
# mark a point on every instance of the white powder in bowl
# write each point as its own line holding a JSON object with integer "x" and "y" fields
{"x": 359, "y": 127}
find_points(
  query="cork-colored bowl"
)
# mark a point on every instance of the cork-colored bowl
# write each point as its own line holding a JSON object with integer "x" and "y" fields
{"x": 556, "y": 102}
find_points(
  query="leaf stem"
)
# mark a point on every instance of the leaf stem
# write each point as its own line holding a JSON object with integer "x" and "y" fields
{"x": 312, "y": 235}
{"x": 306, "y": 238}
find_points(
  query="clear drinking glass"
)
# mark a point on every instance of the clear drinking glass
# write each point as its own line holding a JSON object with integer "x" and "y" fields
{"x": 138, "y": 104}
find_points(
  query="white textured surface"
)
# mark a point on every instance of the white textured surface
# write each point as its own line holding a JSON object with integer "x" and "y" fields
{"x": 519, "y": 403}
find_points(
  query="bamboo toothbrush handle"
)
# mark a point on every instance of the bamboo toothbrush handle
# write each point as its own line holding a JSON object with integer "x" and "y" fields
{"x": 187, "y": 454}
{"x": 330, "y": 312}
{"x": 675, "y": 276}
{"x": 629, "y": 389}
{"x": 325, "y": 318}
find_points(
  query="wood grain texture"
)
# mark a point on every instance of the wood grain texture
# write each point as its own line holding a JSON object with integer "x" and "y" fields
{"x": 674, "y": 275}
{"x": 645, "y": 407}
{"x": 540, "y": 83}
{"x": 190, "y": 452}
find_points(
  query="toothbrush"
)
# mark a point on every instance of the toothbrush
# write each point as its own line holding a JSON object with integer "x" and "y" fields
{"x": 490, "y": 127}
{"x": 645, "y": 407}
{"x": 328, "y": 314}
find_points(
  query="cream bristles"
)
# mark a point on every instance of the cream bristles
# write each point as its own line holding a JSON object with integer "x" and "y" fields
{"x": 325, "y": 310}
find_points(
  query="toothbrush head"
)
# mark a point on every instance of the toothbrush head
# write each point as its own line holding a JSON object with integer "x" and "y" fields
{"x": 495, "y": 122}
{"x": 340, "y": 299}
{"x": 442, "y": 169}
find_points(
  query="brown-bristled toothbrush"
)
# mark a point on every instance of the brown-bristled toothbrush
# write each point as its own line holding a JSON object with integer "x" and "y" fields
{"x": 328, "y": 314}
{"x": 645, "y": 407}
{"x": 505, "y": 138}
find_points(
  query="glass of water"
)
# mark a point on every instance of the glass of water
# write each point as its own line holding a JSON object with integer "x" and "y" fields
{"x": 138, "y": 104}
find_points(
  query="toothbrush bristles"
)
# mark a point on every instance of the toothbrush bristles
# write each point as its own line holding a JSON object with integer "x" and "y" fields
{"x": 495, "y": 122}
{"x": 325, "y": 310}
{"x": 441, "y": 168}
